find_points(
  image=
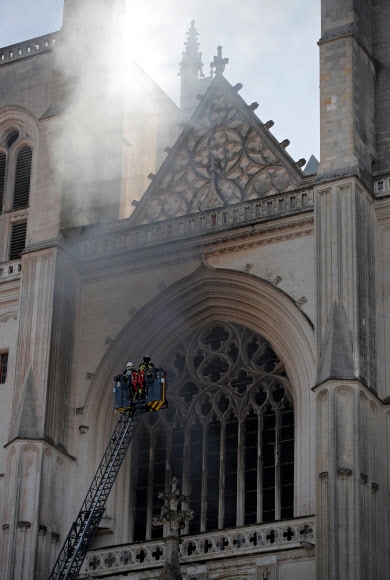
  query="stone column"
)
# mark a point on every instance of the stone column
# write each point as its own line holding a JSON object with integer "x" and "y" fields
{"x": 38, "y": 435}
{"x": 345, "y": 226}
{"x": 32, "y": 509}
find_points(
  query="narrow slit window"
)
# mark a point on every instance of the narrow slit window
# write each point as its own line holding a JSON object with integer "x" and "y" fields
{"x": 22, "y": 178}
{"x": 18, "y": 240}
{"x": 3, "y": 161}
{"x": 3, "y": 367}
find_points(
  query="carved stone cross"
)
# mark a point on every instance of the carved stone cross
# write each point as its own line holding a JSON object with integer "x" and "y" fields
{"x": 219, "y": 62}
{"x": 170, "y": 514}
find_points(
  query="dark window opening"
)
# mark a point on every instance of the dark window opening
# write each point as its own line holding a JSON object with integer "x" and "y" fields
{"x": 3, "y": 162}
{"x": 12, "y": 137}
{"x": 3, "y": 367}
{"x": 22, "y": 178}
{"x": 18, "y": 240}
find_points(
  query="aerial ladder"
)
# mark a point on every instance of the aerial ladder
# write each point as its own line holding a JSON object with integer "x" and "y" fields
{"x": 135, "y": 393}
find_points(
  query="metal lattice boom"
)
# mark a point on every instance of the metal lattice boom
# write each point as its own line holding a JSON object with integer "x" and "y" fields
{"x": 84, "y": 527}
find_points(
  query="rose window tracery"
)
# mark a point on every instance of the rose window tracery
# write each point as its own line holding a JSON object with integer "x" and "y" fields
{"x": 227, "y": 435}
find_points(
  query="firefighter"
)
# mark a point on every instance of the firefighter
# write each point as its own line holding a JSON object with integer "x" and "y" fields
{"x": 147, "y": 364}
{"x": 145, "y": 371}
{"x": 128, "y": 372}
{"x": 130, "y": 377}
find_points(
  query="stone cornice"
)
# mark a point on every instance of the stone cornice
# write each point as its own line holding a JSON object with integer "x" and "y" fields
{"x": 44, "y": 245}
{"x": 344, "y": 32}
{"x": 42, "y": 440}
{"x": 359, "y": 383}
{"x": 94, "y": 242}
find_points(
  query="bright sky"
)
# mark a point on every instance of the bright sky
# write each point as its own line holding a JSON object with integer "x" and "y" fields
{"x": 272, "y": 47}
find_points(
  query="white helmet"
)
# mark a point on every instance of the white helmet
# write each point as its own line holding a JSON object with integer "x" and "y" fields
{"x": 129, "y": 364}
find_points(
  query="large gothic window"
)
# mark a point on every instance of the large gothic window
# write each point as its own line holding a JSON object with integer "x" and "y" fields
{"x": 227, "y": 435}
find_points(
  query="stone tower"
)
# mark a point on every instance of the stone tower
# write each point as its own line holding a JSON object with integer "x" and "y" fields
{"x": 261, "y": 288}
{"x": 355, "y": 155}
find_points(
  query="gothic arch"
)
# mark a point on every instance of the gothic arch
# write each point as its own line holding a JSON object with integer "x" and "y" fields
{"x": 217, "y": 294}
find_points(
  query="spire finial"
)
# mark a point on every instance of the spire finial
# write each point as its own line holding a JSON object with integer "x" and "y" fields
{"x": 192, "y": 57}
{"x": 219, "y": 62}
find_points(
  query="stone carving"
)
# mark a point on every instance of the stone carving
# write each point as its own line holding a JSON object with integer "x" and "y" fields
{"x": 54, "y": 538}
{"x": 324, "y": 476}
{"x": 24, "y": 526}
{"x": 109, "y": 340}
{"x": 79, "y": 410}
{"x": 9, "y": 316}
{"x": 42, "y": 530}
{"x": 301, "y": 301}
{"x": 6, "y": 528}
{"x": 363, "y": 478}
{"x": 344, "y": 473}
{"x": 277, "y": 280}
{"x": 374, "y": 487}
{"x": 222, "y": 161}
{"x": 89, "y": 375}
{"x": 83, "y": 429}
{"x": 248, "y": 267}
{"x": 266, "y": 572}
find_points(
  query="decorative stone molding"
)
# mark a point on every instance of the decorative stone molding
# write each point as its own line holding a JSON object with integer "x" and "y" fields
{"x": 374, "y": 487}
{"x": 248, "y": 214}
{"x": 29, "y": 448}
{"x": 89, "y": 375}
{"x": 301, "y": 301}
{"x": 277, "y": 280}
{"x": 83, "y": 429}
{"x": 248, "y": 267}
{"x": 363, "y": 478}
{"x": 324, "y": 476}
{"x": 5, "y": 528}
{"x": 24, "y": 526}
{"x": 9, "y": 316}
{"x": 266, "y": 572}
{"x": 382, "y": 186}
{"x": 253, "y": 540}
{"x": 344, "y": 473}
{"x": 28, "y": 48}
{"x": 55, "y": 538}
{"x": 42, "y": 530}
{"x": 79, "y": 410}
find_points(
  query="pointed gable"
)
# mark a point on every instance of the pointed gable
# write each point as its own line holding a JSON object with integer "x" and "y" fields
{"x": 224, "y": 156}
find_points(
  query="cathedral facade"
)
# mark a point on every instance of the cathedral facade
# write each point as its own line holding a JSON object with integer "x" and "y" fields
{"x": 130, "y": 226}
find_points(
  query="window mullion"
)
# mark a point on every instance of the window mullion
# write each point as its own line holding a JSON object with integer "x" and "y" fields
{"x": 260, "y": 469}
{"x": 149, "y": 514}
{"x": 277, "y": 465}
{"x": 221, "y": 506}
{"x": 240, "y": 472}
{"x": 203, "y": 514}
{"x": 186, "y": 468}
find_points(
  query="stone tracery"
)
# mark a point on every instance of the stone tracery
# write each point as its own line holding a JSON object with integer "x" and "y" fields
{"x": 222, "y": 161}
{"x": 229, "y": 404}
